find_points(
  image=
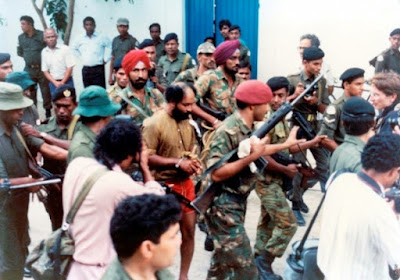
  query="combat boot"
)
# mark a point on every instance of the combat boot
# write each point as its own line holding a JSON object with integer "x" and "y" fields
{"x": 264, "y": 266}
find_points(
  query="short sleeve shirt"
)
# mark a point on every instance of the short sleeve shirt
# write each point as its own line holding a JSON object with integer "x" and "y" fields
{"x": 171, "y": 69}
{"x": 82, "y": 143}
{"x": 121, "y": 46}
{"x": 332, "y": 122}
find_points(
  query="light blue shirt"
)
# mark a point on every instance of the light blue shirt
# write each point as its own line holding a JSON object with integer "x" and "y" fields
{"x": 94, "y": 50}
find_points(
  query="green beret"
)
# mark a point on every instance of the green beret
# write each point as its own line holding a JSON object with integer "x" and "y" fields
{"x": 94, "y": 101}
{"x": 276, "y": 83}
{"x": 313, "y": 53}
{"x": 357, "y": 108}
{"x": 352, "y": 73}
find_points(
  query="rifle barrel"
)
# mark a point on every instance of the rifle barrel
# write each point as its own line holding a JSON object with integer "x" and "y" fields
{"x": 35, "y": 184}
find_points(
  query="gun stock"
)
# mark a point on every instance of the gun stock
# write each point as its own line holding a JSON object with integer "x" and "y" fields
{"x": 203, "y": 202}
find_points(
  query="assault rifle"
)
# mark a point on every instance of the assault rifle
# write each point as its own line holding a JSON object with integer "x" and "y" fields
{"x": 203, "y": 202}
{"x": 305, "y": 131}
{"x": 215, "y": 113}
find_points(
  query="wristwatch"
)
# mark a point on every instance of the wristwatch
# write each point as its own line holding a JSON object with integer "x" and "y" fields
{"x": 178, "y": 163}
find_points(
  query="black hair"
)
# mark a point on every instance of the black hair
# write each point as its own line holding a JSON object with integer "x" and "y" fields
{"x": 234, "y": 27}
{"x": 353, "y": 78}
{"x": 155, "y": 25}
{"x": 313, "y": 38}
{"x": 28, "y": 19}
{"x": 210, "y": 38}
{"x": 357, "y": 127}
{"x": 89, "y": 19}
{"x": 174, "y": 93}
{"x": 244, "y": 64}
{"x": 241, "y": 105}
{"x": 381, "y": 153}
{"x": 140, "y": 218}
{"x": 224, "y": 22}
{"x": 119, "y": 139}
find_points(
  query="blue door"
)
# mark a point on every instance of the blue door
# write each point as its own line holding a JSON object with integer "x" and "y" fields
{"x": 202, "y": 17}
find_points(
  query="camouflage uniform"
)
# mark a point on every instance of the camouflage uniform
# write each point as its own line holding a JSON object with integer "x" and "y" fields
{"x": 277, "y": 224}
{"x": 347, "y": 155}
{"x": 154, "y": 100}
{"x": 187, "y": 76}
{"x": 113, "y": 92}
{"x": 213, "y": 88}
{"x": 321, "y": 155}
{"x": 232, "y": 257}
{"x": 332, "y": 123}
{"x": 171, "y": 69}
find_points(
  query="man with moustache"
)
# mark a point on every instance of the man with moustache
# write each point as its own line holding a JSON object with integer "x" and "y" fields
{"x": 216, "y": 87}
{"x": 171, "y": 143}
{"x": 121, "y": 81}
{"x": 57, "y": 131}
{"x": 332, "y": 126}
{"x": 140, "y": 101}
{"x": 205, "y": 60}
{"x": 6, "y": 66}
{"x": 156, "y": 77}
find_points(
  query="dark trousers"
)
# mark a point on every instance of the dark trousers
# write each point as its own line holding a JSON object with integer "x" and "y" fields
{"x": 94, "y": 75}
{"x": 38, "y": 77}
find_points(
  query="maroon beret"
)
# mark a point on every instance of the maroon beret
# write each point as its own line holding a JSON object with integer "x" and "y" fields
{"x": 225, "y": 50}
{"x": 253, "y": 92}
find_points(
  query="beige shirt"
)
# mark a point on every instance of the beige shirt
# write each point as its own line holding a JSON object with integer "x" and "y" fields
{"x": 90, "y": 228}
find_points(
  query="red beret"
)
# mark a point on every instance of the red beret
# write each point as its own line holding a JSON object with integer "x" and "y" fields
{"x": 132, "y": 58}
{"x": 253, "y": 92}
{"x": 225, "y": 50}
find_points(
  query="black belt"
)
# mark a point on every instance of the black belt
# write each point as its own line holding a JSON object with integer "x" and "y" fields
{"x": 34, "y": 66}
{"x": 96, "y": 66}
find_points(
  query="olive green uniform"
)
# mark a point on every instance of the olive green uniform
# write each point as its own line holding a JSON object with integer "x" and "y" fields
{"x": 160, "y": 50}
{"x": 232, "y": 257}
{"x": 171, "y": 69}
{"x": 213, "y": 89}
{"x": 121, "y": 46}
{"x": 347, "y": 155}
{"x": 332, "y": 122}
{"x": 115, "y": 271}
{"x": 30, "y": 48}
{"x": 277, "y": 223}
{"x": 14, "y": 236}
{"x": 82, "y": 143}
{"x": 388, "y": 60}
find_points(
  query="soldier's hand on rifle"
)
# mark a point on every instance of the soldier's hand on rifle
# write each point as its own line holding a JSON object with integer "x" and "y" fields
{"x": 313, "y": 99}
{"x": 291, "y": 170}
{"x": 299, "y": 89}
{"x": 257, "y": 148}
{"x": 28, "y": 129}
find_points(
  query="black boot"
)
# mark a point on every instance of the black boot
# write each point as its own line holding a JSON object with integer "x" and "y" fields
{"x": 264, "y": 266}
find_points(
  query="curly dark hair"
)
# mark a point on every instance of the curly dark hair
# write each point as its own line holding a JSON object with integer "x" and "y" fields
{"x": 140, "y": 218}
{"x": 119, "y": 139}
{"x": 382, "y": 153}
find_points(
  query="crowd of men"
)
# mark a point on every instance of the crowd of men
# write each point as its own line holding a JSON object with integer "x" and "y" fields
{"x": 164, "y": 119}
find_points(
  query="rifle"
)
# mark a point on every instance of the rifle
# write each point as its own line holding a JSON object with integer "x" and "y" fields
{"x": 305, "y": 128}
{"x": 203, "y": 202}
{"x": 215, "y": 113}
{"x": 307, "y": 171}
{"x": 6, "y": 186}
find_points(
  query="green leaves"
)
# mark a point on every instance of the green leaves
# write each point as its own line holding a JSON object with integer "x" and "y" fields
{"x": 57, "y": 10}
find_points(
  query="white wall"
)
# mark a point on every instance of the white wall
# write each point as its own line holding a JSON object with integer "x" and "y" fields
{"x": 140, "y": 14}
{"x": 351, "y": 32}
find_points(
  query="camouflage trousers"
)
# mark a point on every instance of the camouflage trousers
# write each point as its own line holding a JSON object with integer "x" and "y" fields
{"x": 277, "y": 223}
{"x": 232, "y": 257}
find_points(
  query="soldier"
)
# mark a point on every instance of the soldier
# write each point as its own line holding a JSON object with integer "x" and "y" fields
{"x": 121, "y": 44}
{"x": 95, "y": 110}
{"x": 232, "y": 257}
{"x": 94, "y": 50}
{"x": 205, "y": 61}
{"x": 174, "y": 61}
{"x": 57, "y": 131}
{"x": 156, "y": 77}
{"x": 31, "y": 115}
{"x": 234, "y": 34}
{"x": 171, "y": 142}
{"x": 30, "y": 46}
{"x": 352, "y": 84}
{"x": 140, "y": 101}
{"x": 155, "y": 32}
{"x": 358, "y": 122}
{"x": 216, "y": 87}
{"x": 16, "y": 162}
{"x": 277, "y": 223}
{"x": 121, "y": 81}
{"x": 389, "y": 59}
{"x": 6, "y": 66}
{"x": 308, "y": 107}
{"x": 385, "y": 97}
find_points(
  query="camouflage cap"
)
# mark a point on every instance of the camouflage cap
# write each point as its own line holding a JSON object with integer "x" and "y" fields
{"x": 206, "y": 47}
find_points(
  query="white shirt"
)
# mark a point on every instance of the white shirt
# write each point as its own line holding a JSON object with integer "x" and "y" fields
{"x": 57, "y": 61}
{"x": 94, "y": 50}
{"x": 360, "y": 235}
